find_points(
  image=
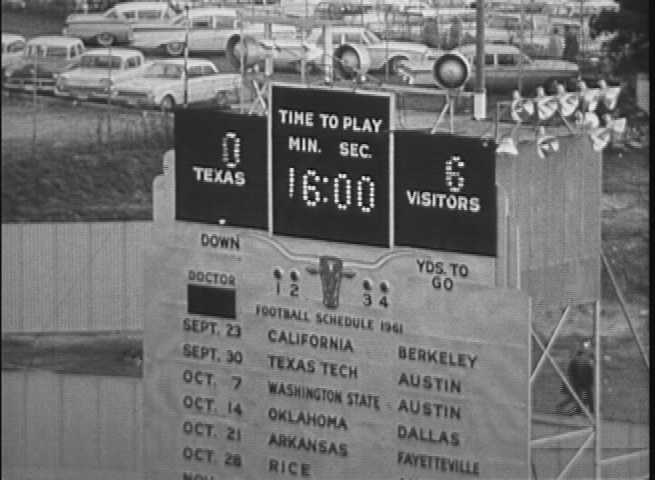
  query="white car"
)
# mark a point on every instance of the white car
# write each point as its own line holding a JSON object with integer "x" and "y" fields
{"x": 359, "y": 49}
{"x": 12, "y": 48}
{"x": 161, "y": 84}
{"x": 211, "y": 30}
{"x": 503, "y": 66}
{"x": 116, "y": 25}
{"x": 99, "y": 69}
{"x": 354, "y": 49}
{"x": 287, "y": 53}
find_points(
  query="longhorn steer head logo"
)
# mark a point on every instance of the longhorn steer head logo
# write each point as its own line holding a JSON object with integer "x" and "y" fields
{"x": 331, "y": 271}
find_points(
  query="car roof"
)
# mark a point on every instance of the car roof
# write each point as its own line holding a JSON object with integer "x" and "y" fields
{"x": 140, "y": 5}
{"x": 191, "y": 62}
{"x": 11, "y": 37}
{"x": 490, "y": 48}
{"x": 119, "y": 52}
{"x": 201, "y": 11}
{"x": 348, "y": 28}
{"x": 54, "y": 40}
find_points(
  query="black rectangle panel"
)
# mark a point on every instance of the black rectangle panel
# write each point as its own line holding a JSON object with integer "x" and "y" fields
{"x": 213, "y": 301}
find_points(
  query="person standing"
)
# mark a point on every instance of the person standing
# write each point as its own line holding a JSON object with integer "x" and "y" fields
{"x": 431, "y": 33}
{"x": 571, "y": 46}
{"x": 581, "y": 376}
{"x": 555, "y": 45}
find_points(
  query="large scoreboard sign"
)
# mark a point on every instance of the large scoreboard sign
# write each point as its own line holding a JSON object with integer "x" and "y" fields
{"x": 326, "y": 341}
{"x": 330, "y": 165}
{"x": 445, "y": 192}
{"x": 222, "y": 174}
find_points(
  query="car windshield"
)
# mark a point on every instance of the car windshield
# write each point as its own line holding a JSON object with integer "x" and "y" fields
{"x": 13, "y": 47}
{"x": 372, "y": 37}
{"x": 163, "y": 70}
{"x": 100, "y": 61}
{"x": 36, "y": 50}
{"x": 61, "y": 52}
{"x": 224, "y": 22}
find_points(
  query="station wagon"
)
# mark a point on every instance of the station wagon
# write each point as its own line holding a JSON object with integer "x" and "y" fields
{"x": 116, "y": 25}
{"x": 42, "y": 61}
{"x": 99, "y": 69}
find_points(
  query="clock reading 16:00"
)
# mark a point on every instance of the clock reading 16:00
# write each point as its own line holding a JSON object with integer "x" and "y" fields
{"x": 341, "y": 191}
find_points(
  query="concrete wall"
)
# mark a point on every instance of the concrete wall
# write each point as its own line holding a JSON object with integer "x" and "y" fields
{"x": 77, "y": 427}
{"x": 73, "y": 276}
{"x": 71, "y": 426}
{"x": 554, "y": 202}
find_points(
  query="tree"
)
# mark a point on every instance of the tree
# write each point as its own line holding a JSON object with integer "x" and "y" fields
{"x": 630, "y": 30}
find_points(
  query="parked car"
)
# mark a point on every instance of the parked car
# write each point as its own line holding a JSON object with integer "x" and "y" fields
{"x": 359, "y": 49}
{"x": 211, "y": 30}
{"x": 99, "y": 69}
{"x": 12, "y": 49}
{"x": 503, "y": 65}
{"x": 14, "y": 4}
{"x": 116, "y": 25}
{"x": 43, "y": 60}
{"x": 287, "y": 53}
{"x": 161, "y": 84}
{"x": 355, "y": 49}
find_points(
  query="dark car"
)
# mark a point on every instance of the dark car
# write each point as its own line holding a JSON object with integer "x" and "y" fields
{"x": 43, "y": 60}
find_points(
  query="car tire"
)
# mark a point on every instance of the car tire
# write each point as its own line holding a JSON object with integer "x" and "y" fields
{"x": 222, "y": 99}
{"x": 348, "y": 63}
{"x": 232, "y": 51}
{"x": 175, "y": 49}
{"x": 167, "y": 104}
{"x": 395, "y": 64}
{"x": 105, "y": 39}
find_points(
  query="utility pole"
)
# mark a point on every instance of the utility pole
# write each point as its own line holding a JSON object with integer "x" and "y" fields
{"x": 480, "y": 95}
{"x": 521, "y": 43}
{"x": 186, "y": 56}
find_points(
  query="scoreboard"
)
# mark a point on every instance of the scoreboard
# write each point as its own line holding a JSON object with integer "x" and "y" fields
{"x": 321, "y": 302}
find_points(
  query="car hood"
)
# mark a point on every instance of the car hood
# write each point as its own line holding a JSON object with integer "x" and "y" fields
{"x": 147, "y": 84}
{"x": 90, "y": 74}
{"x": 555, "y": 65}
{"x": 43, "y": 66}
{"x": 400, "y": 46}
{"x": 157, "y": 27}
{"x": 86, "y": 17}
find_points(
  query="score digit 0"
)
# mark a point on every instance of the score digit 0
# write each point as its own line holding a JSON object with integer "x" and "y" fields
{"x": 336, "y": 191}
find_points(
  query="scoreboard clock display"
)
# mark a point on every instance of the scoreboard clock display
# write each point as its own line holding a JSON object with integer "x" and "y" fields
{"x": 330, "y": 165}
{"x": 220, "y": 175}
{"x": 445, "y": 194}
{"x": 322, "y": 166}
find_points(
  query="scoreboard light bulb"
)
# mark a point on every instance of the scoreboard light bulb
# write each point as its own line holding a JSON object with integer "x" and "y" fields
{"x": 451, "y": 71}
